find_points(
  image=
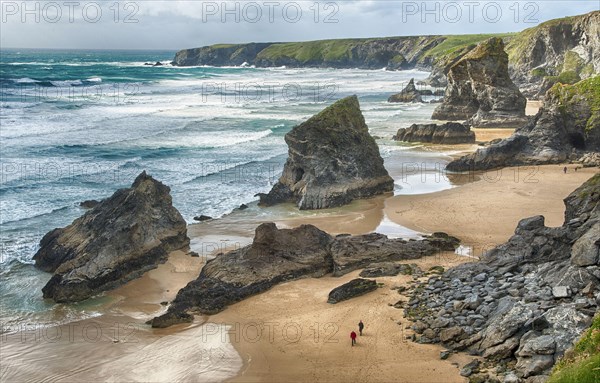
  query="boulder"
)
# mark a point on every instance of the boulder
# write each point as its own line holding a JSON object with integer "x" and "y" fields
{"x": 408, "y": 94}
{"x": 447, "y": 134}
{"x": 480, "y": 89}
{"x": 561, "y": 292}
{"x": 332, "y": 161}
{"x": 202, "y": 218}
{"x": 116, "y": 241}
{"x": 354, "y": 288}
{"x": 586, "y": 251}
{"x": 566, "y": 127}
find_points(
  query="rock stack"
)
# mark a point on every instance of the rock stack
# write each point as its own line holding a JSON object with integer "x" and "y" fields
{"x": 118, "y": 240}
{"x": 480, "y": 90}
{"x": 332, "y": 161}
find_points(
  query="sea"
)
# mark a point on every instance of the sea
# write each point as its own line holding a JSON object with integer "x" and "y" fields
{"x": 77, "y": 125}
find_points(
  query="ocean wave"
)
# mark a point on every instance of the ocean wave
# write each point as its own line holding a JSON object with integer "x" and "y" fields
{"x": 39, "y": 215}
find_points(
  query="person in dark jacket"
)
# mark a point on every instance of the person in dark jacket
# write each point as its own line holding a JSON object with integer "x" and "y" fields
{"x": 353, "y": 337}
{"x": 361, "y": 325}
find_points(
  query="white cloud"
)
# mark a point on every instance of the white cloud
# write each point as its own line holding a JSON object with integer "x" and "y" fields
{"x": 179, "y": 24}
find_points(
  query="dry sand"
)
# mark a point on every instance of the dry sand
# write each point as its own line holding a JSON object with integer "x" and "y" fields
{"x": 485, "y": 213}
{"x": 290, "y": 333}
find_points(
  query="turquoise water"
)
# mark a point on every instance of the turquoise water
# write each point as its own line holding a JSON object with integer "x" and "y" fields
{"x": 76, "y": 125}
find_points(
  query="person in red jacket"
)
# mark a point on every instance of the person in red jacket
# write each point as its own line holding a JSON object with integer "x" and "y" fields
{"x": 353, "y": 336}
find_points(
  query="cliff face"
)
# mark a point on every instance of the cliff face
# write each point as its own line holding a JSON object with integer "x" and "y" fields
{"x": 566, "y": 127}
{"x": 392, "y": 53}
{"x": 564, "y": 50}
{"x": 119, "y": 239}
{"x": 332, "y": 160}
{"x": 480, "y": 90}
{"x": 526, "y": 301}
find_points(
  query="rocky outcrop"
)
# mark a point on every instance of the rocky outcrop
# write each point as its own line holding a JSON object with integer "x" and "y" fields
{"x": 389, "y": 269}
{"x": 408, "y": 94}
{"x": 527, "y": 300}
{"x": 561, "y": 50}
{"x": 480, "y": 90}
{"x": 566, "y": 128}
{"x": 392, "y": 53}
{"x": 279, "y": 255}
{"x": 118, "y": 240}
{"x": 449, "y": 133}
{"x": 332, "y": 161}
{"x": 354, "y": 288}
{"x": 220, "y": 55}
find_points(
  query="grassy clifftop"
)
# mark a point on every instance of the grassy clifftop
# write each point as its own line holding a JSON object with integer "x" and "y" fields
{"x": 549, "y": 52}
{"x": 571, "y": 98}
{"x": 582, "y": 363}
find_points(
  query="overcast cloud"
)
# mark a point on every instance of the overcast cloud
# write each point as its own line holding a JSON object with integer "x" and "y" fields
{"x": 174, "y": 25}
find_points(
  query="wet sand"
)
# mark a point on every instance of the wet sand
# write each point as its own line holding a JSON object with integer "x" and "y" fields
{"x": 290, "y": 333}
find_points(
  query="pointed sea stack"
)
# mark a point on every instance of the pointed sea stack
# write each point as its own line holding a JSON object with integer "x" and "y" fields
{"x": 480, "y": 90}
{"x": 118, "y": 240}
{"x": 332, "y": 161}
{"x": 408, "y": 94}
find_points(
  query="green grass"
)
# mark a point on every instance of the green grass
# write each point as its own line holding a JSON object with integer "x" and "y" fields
{"x": 453, "y": 43}
{"x": 569, "y": 96}
{"x": 582, "y": 363}
{"x": 312, "y": 51}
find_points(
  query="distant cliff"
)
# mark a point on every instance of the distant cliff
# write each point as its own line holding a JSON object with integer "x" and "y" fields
{"x": 392, "y": 53}
{"x": 562, "y": 50}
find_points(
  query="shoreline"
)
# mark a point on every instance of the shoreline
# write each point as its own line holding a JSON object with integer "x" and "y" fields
{"x": 416, "y": 207}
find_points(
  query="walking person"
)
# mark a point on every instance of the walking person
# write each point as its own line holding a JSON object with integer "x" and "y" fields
{"x": 361, "y": 325}
{"x": 353, "y": 337}
{"x": 565, "y": 170}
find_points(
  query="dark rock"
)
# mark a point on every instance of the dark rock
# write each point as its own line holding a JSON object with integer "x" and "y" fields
{"x": 121, "y": 238}
{"x": 243, "y": 207}
{"x": 89, "y": 204}
{"x": 277, "y": 256}
{"x": 447, "y": 134}
{"x": 408, "y": 94}
{"x": 566, "y": 127}
{"x": 171, "y": 318}
{"x": 480, "y": 90}
{"x": 389, "y": 269}
{"x": 455, "y": 334}
{"x": 332, "y": 161}
{"x": 202, "y": 218}
{"x": 351, "y": 253}
{"x": 528, "y": 331}
{"x": 445, "y": 354}
{"x": 354, "y": 288}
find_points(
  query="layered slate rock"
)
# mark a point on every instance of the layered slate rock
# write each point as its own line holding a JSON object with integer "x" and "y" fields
{"x": 567, "y": 127}
{"x": 449, "y": 133}
{"x": 354, "y": 288}
{"x": 118, "y": 240}
{"x": 279, "y": 255}
{"x": 527, "y": 300}
{"x": 480, "y": 90}
{"x": 408, "y": 94}
{"x": 332, "y": 161}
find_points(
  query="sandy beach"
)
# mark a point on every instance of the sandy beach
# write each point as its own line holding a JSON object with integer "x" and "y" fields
{"x": 290, "y": 333}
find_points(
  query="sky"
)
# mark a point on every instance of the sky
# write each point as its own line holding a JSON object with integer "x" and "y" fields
{"x": 174, "y": 25}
